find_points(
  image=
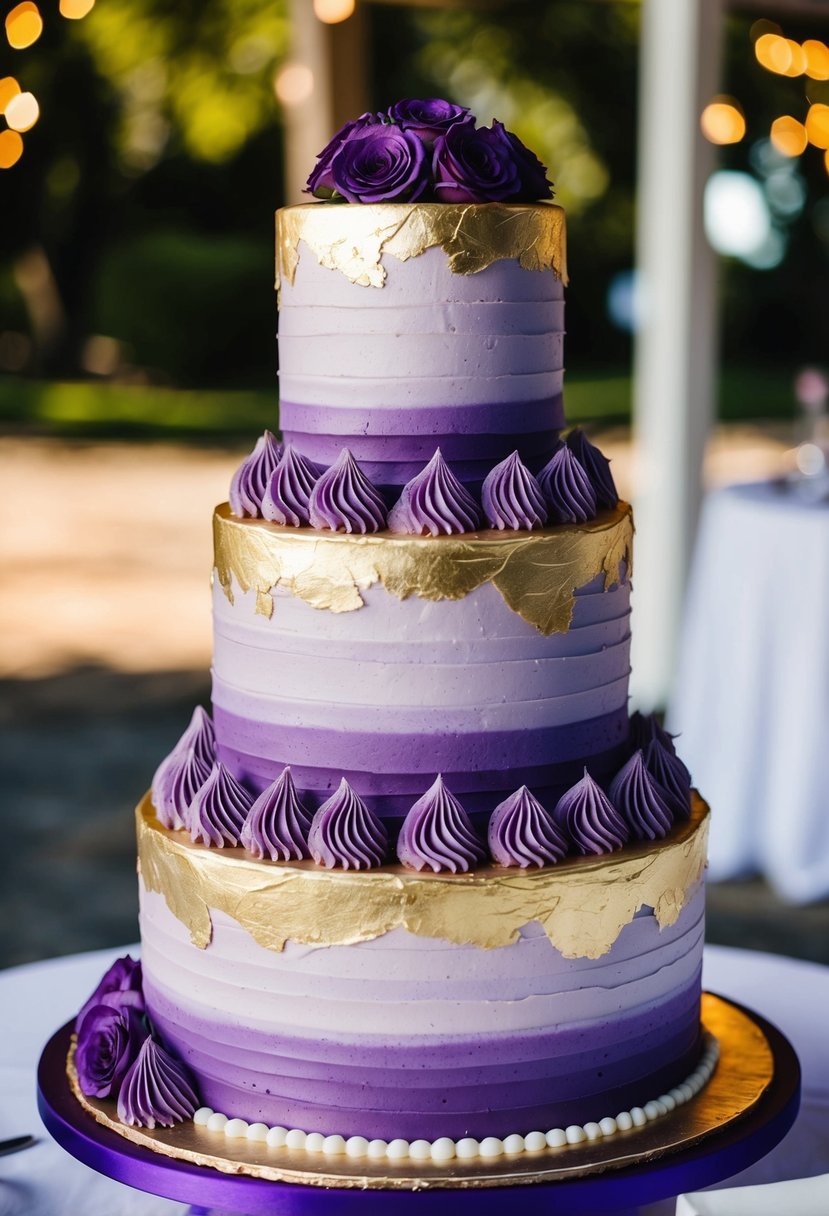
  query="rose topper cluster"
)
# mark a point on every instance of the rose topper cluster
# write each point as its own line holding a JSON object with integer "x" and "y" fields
{"x": 428, "y": 150}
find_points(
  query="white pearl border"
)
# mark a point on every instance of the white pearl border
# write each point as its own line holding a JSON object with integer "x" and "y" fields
{"x": 445, "y": 1149}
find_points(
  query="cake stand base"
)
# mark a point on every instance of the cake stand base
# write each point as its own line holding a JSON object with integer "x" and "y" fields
{"x": 618, "y": 1191}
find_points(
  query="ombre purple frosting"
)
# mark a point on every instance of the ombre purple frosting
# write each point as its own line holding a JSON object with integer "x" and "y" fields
{"x": 672, "y": 776}
{"x": 644, "y": 728}
{"x": 219, "y": 809}
{"x": 640, "y": 801}
{"x": 250, "y": 481}
{"x": 522, "y": 833}
{"x": 184, "y": 775}
{"x": 567, "y": 489}
{"x": 512, "y": 498}
{"x": 156, "y": 1092}
{"x": 437, "y": 834}
{"x": 201, "y": 737}
{"x": 277, "y": 825}
{"x": 344, "y": 500}
{"x": 434, "y": 503}
{"x": 288, "y": 496}
{"x": 590, "y": 819}
{"x": 345, "y": 834}
{"x": 596, "y": 466}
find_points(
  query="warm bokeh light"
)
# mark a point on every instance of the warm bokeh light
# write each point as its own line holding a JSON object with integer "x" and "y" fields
{"x": 9, "y": 88}
{"x": 773, "y": 53}
{"x": 826, "y": 161}
{"x": 797, "y": 61}
{"x": 294, "y": 84}
{"x": 11, "y": 149}
{"x": 75, "y": 9}
{"x": 24, "y": 25}
{"x": 788, "y": 136}
{"x": 722, "y": 122}
{"x": 817, "y": 125}
{"x": 332, "y": 11}
{"x": 22, "y": 112}
{"x": 817, "y": 59}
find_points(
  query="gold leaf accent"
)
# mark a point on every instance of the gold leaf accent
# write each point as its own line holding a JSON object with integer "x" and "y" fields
{"x": 354, "y": 238}
{"x": 537, "y": 573}
{"x": 583, "y": 903}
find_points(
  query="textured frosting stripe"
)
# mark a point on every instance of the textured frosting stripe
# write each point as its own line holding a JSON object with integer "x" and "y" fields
{"x": 530, "y": 418}
{"x": 501, "y": 318}
{"x": 423, "y": 392}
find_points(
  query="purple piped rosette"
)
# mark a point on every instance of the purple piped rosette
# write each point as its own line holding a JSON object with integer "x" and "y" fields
{"x": 345, "y": 834}
{"x": 278, "y": 824}
{"x": 596, "y": 466}
{"x": 640, "y": 801}
{"x": 567, "y": 489}
{"x": 178, "y": 776}
{"x": 437, "y": 834}
{"x": 434, "y": 503}
{"x": 590, "y": 820}
{"x": 287, "y": 499}
{"x": 344, "y": 500}
{"x": 219, "y": 808}
{"x": 522, "y": 833}
{"x": 672, "y": 776}
{"x": 512, "y": 498}
{"x": 250, "y": 481}
{"x": 644, "y": 728}
{"x": 157, "y": 1090}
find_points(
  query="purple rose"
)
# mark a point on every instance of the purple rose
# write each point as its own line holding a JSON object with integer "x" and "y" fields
{"x": 381, "y": 164}
{"x": 320, "y": 182}
{"x": 120, "y": 988}
{"x": 486, "y": 164}
{"x": 108, "y": 1043}
{"x": 429, "y": 118}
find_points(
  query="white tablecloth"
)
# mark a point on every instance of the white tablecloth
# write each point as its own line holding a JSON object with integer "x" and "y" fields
{"x": 45, "y": 1181}
{"x": 751, "y": 699}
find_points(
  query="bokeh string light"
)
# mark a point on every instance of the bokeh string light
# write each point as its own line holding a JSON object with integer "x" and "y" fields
{"x": 74, "y": 10}
{"x": 817, "y": 125}
{"x": 24, "y": 25}
{"x": 788, "y": 136}
{"x": 785, "y": 57}
{"x": 11, "y": 148}
{"x": 722, "y": 121}
{"x": 22, "y": 112}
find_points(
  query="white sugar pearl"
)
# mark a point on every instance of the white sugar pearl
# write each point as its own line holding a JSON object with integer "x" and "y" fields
{"x": 295, "y": 1138}
{"x": 420, "y": 1150}
{"x": 608, "y": 1126}
{"x": 467, "y": 1148}
{"x": 202, "y": 1115}
{"x": 398, "y": 1150}
{"x": 333, "y": 1146}
{"x": 314, "y": 1142}
{"x": 651, "y": 1110}
{"x": 276, "y": 1137}
{"x": 668, "y": 1101}
{"x": 677, "y": 1095}
{"x": 514, "y": 1144}
{"x": 686, "y": 1091}
{"x": 556, "y": 1137}
{"x": 216, "y": 1122}
{"x": 443, "y": 1149}
{"x": 638, "y": 1116}
{"x": 534, "y": 1142}
{"x": 592, "y": 1131}
{"x": 575, "y": 1134}
{"x": 356, "y": 1146}
{"x": 377, "y": 1148}
{"x": 624, "y": 1122}
{"x": 491, "y": 1146}
{"x": 236, "y": 1129}
{"x": 258, "y": 1131}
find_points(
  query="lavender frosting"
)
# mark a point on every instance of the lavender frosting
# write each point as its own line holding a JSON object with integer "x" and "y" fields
{"x": 250, "y": 481}
{"x": 277, "y": 825}
{"x": 288, "y": 495}
{"x": 596, "y": 466}
{"x": 438, "y": 834}
{"x": 512, "y": 497}
{"x": 640, "y": 801}
{"x": 345, "y": 834}
{"x": 184, "y": 775}
{"x": 522, "y": 833}
{"x": 201, "y": 737}
{"x": 567, "y": 489}
{"x": 644, "y": 728}
{"x": 156, "y": 1092}
{"x": 434, "y": 502}
{"x": 219, "y": 809}
{"x": 590, "y": 819}
{"x": 344, "y": 500}
{"x": 672, "y": 776}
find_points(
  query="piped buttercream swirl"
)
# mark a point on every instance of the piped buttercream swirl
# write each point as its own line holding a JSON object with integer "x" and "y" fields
{"x": 219, "y": 809}
{"x": 590, "y": 819}
{"x": 512, "y": 498}
{"x": 566, "y": 487}
{"x": 250, "y": 481}
{"x": 277, "y": 824}
{"x": 597, "y": 467}
{"x": 644, "y": 728}
{"x": 671, "y": 776}
{"x": 344, "y": 500}
{"x": 640, "y": 801}
{"x": 522, "y": 833}
{"x": 437, "y": 834}
{"x": 345, "y": 834}
{"x": 184, "y": 776}
{"x": 156, "y": 1090}
{"x": 434, "y": 503}
{"x": 288, "y": 495}
{"x": 201, "y": 737}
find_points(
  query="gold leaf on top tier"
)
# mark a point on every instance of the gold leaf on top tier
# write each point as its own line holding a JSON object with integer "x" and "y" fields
{"x": 355, "y": 238}
{"x": 537, "y": 573}
{"x": 583, "y": 903}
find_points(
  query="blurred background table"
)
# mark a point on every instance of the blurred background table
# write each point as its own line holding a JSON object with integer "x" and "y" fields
{"x": 751, "y": 699}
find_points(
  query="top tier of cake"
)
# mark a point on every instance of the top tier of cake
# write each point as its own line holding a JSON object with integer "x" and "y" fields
{"x": 407, "y": 327}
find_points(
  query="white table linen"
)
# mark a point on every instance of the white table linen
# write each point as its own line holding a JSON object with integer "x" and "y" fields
{"x": 804, "y": 1197}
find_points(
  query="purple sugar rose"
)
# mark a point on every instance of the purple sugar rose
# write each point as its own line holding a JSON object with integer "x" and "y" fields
{"x": 120, "y": 988}
{"x": 320, "y": 181}
{"x": 109, "y": 1041}
{"x": 381, "y": 164}
{"x": 429, "y": 118}
{"x": 486, "y": 164}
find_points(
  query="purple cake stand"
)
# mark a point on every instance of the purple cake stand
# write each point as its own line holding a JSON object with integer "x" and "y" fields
{"x": 622, "y": 1191}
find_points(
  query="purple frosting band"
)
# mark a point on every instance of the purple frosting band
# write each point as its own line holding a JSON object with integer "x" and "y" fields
{"x": 506, "y": 418}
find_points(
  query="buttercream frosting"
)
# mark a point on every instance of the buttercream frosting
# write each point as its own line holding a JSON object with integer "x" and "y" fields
{"x": 288, "y": 495}
{"x": 596, "y": 466}
{"x": 201, "y": 737}
{"x": 512, "y": 498}
{"x": 640, "y": 801}
{"x": 184, "y": 774}
{"x": 646, "y": 727}
{"x": 277, "y": 824}
{"x": 437, "y": 834}
{"x": 345, "y": 834}
{"x": 567, "y": 489}
{"x": 434, "y": 503}
{"x": 344, "y": 500}
{"x": 671, "y": 775}
{"x": 590, "y": 819}
{"x": 522, "y": 833}
{"x": 156, "y": 1092}
{"x": 219, "y": 809}
{"x": 250, "y": 481}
